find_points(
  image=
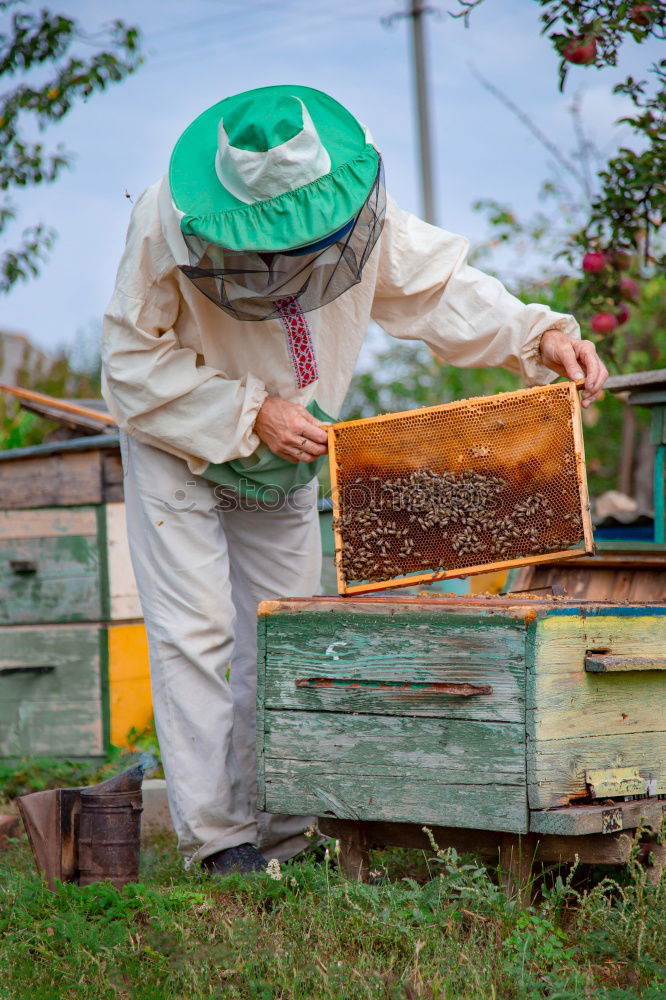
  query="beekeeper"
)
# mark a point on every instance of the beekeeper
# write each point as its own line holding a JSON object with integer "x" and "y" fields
{"x": 250, "y": 275}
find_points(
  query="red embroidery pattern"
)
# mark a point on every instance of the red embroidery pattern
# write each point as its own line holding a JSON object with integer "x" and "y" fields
{"x": 299, "y": 341}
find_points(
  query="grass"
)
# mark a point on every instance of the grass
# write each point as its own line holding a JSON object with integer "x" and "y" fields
{"x": 435, "y": 927}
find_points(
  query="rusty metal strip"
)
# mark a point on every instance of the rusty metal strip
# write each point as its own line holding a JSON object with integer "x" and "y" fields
{"x": 422, "y": 687}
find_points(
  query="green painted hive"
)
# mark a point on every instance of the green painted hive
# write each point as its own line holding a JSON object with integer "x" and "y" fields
{"x": 486, "y": 714}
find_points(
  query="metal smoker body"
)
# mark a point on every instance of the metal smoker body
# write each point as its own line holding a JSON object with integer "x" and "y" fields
{"x": 87, "y": 835}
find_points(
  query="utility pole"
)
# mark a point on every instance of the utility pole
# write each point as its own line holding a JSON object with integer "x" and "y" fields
{"x": 416, "y": 14}
{"x": 423, "y": 111}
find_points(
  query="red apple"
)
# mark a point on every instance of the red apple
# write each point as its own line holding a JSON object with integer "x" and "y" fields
{"x": 629, "y": 289}
{"x": 641, "y": 14}
{"x": 622, "y": 315}
{"x": 603, "y": 323}
{"x": 594, "y": 262}
{"x": 581, "y": 51}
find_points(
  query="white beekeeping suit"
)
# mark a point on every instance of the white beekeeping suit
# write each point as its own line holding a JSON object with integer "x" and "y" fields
{"x": 215, "y": 310}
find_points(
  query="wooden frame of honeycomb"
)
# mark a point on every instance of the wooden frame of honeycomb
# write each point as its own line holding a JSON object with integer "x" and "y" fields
{"x": 474, "y": 486}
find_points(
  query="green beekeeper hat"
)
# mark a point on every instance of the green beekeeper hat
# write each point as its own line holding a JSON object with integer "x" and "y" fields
{"x": 271, "y": 169}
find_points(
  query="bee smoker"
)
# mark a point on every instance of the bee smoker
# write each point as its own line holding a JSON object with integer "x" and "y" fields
{"x": 87, "y": 835}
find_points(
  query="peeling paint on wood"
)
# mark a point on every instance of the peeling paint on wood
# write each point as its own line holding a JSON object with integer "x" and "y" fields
{"x": 429, "y": 650}
{"x": 346, "y": 685}
{"x": 123, "y": 594}
{"x": 556, "y": 768}
{"x": 615, "y": 782}
{"x": 49, "y": 523}
{"x": 303, "y": 788}
{"x": 461, "y": 751}
{"x": 577, "y": 720}
{"x": 62, "y": 583}
{"x": 56, "y": 713}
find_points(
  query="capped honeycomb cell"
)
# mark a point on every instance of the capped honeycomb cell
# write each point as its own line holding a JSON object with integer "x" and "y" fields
{"x": 462, "y": 488}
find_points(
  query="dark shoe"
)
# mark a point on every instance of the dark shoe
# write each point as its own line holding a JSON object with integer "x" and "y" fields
{"x": 244, "y": 858}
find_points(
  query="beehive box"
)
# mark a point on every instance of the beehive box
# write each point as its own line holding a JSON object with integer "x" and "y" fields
{"x": 500, "y": 714}
{"x": 486, "y": 483}
{"x": 73, "y": 651}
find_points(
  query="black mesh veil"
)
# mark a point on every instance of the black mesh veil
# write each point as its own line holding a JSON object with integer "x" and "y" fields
{"x": 248, "y": 285}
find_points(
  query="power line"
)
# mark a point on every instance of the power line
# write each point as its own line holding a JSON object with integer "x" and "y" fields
{"x": 312, "y": 26}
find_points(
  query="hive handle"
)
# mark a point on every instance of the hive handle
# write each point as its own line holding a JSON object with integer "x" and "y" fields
{"x": 37, "y": 669}
{"x": 607, "y": 662}
{"x": 22, "y": 566}
{"x": 422, "y": 687}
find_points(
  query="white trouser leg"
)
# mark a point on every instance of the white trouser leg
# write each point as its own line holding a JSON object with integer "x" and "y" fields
{"x": 200, "y": 572}
{"x": 284, "y": 557}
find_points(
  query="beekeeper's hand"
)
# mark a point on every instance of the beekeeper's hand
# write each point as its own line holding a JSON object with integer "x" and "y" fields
{"x": 290, "y": 431}
{"x": 576, "y": 359}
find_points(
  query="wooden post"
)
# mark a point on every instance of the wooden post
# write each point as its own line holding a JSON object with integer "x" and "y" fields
{"x": 516, "y": 854}
{"x": 625, "y": 476}
{"x": 354, "y": 851}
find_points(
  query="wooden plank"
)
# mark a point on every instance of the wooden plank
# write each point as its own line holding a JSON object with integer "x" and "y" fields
{"x": 579, "y": 450}
{"x": 563, "y": 639}
{"x": 58, "y": 713}
{"x": 112, "y": 474}
{"x": 660, "y": 494}
{"x": 261, "y": 709}
{"x": 563, "y": 706}
{"x": 94, "y": 442}
{"x": 612, "y": 849}
{"x": 369, "y": 797}
{"x": 617, "y": 544}
{"x": 477, "y": 753}
{"x": 123, "y": 594}
{"x": 48, "y": 523}
{"x": 585, "y": 820}
{"x": 80, "y": 423}
{"x": 556, "y": 768}
{"x": 577, "y": 720}
{"x": 104, "y": 687}
{"x": 619, "y": 383}
{"x": 636, "y": 578}
{"x": 66, "y": 479}
{"x": 129, "y": 681}
{"x": 594, "y": 849}
{"x": 335, "y": 498}
{"x": 52, "y": 403}
{"x": 658, "y": 425}
{"x": 524, "y": 609}
{"x": 483, "y": 842}
{"x": 61, "y": 584}
{"x": 615, "y": 560}
{"x": 424, "y": 579}
{"x": 648, "y": 397}
{"x": 412, "y": 652}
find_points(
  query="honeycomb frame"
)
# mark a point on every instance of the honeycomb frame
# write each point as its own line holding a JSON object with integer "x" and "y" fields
{"x": 515, "y": 460}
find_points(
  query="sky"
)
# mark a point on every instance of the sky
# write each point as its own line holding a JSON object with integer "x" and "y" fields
{"x": 199, "y": 51}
